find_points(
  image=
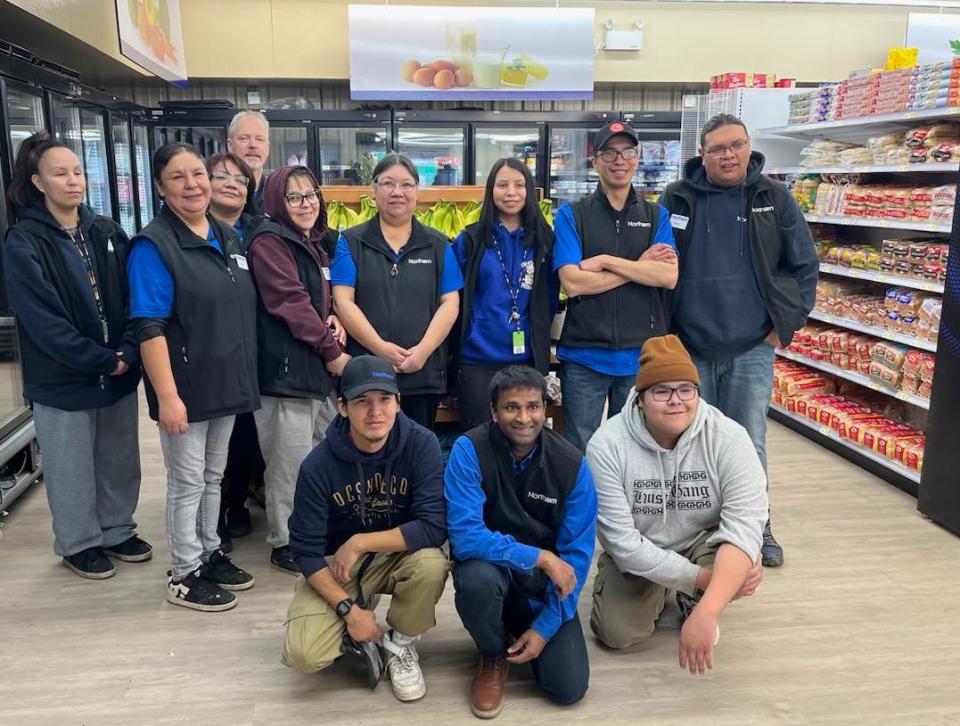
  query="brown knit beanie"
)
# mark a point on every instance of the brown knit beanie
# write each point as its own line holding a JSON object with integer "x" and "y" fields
{"x": 665, "y": 359}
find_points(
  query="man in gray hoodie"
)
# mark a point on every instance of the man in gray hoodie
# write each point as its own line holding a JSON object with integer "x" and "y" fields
{"x": 681, "y": 506}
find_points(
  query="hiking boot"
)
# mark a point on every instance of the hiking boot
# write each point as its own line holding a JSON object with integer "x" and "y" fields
{"x": 90, "y": 563}
{"x": 486, "y": 691}
{"x": 403, "y": 667}
{"x": 133, "y": 549}
{"x": 199, "y": 594}
{"x": 282, "y": 560}
{"x": 221, "y": 571}
{"x": 771, "y": 550}
{"x": 369, "y": 653}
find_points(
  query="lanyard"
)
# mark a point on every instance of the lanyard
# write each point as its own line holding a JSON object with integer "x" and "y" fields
{"x": 84, "y": 253}
{"x": 514, "y": 290}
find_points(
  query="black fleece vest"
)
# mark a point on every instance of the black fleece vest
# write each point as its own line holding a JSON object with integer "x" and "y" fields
{"x": 107, "y": 244}
{"x": 530, "y": 506}
{"x": 400, "y": 297}
{"x": 285, "y": 365}
{"x": 212, "y": 332}
{"x": 627, "y": 315}
{"x": 540, "y": 317}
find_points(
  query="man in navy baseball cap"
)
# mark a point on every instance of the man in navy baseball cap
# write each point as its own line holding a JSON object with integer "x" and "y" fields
{"x": 368, "y": 519}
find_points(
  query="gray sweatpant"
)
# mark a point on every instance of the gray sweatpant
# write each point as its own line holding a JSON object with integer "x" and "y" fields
{"x": 91, "y": 470}
{"x": 288, "y": 429}
{"x": 195, "y": 461}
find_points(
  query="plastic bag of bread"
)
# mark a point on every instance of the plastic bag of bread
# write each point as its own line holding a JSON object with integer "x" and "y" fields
{"x": 926, "y": 368}
{"x": 889, "y": 354}
{"x": 944, "y": 195}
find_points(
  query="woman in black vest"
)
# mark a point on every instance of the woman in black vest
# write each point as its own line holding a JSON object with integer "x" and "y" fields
{"x": 510, "y": 291}
{"x": 396, "y": 287}
{"x": 65, "y": 276}
{"x": 195, "y": 304}
{"x": 299, "y": 340}
{"x": 232, "y": 187}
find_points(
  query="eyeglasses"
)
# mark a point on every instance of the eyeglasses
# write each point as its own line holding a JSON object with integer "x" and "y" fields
{"x": 662, "y": 394}
{"x": 222, "y": 176}
{"x": 718, "y": 152}
{"x": 389, "y": 186}
{"x": 296, "y": 199}
{"x": 610, "y": 155}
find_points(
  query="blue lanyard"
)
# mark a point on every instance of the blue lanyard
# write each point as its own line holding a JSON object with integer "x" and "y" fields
{"x": 514, "y": 290}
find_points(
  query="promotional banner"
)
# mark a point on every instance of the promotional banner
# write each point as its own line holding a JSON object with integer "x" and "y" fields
{"x": 470, "y": 53}
{"x": 150, "y": 36}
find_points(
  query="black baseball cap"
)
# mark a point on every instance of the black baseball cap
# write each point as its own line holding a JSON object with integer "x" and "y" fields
{"x": 367, "y": 373}
{"x": 615, "y": 128}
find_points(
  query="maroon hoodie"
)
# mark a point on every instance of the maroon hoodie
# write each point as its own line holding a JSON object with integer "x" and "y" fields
{"x": 275, "y": 270}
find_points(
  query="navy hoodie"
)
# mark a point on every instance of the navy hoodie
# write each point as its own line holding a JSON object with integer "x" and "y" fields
{"x": 342, "y": 491}
{"x": 719, "y": 310}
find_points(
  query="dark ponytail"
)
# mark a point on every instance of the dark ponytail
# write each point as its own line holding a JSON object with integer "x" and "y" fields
{"x": 23, "y": 192}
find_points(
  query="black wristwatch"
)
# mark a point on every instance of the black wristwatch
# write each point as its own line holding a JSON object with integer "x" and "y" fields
{"x": 344, "y": 607}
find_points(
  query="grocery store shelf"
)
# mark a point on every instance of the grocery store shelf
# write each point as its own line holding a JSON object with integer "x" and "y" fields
{"x": 858, "y": 274}
{"x": 878, "y": 223}
{"x": 905, "y": 117}
{"x": 878, "y": 332}
{"x": 947, "y": 168}
{"x": 878, "y": 464}
{"x": 862, "y": 380}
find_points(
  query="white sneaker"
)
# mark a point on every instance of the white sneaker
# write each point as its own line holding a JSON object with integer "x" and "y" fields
{"x": 403, "y": 669}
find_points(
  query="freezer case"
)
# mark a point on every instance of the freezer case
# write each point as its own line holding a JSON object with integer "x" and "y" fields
{"x": 659, "y": 164}
{"x": 437, "y": 144}
{"x": 571, "y": 174}
{"x": 500, "y": 134}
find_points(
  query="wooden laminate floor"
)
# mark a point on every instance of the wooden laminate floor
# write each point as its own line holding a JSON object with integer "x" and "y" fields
{"x": 861, "y": 626}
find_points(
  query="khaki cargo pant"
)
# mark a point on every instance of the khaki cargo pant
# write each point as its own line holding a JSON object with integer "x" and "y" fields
{"x": 415, "y": 580}
{"x": 626, "y": 607}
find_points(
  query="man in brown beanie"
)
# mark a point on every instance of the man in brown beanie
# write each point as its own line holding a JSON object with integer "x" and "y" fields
{"x": 681, "y": 507}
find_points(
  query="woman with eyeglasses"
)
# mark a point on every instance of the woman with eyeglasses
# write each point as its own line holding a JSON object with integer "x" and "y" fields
{"x": 396, "y": 287}
{"x": 510, "y": 292}
{"x": 232, "y": 188}
{"x": 300, "y": 340}
{"x": 195, "y": 305}
{"x": 64, "y": 268}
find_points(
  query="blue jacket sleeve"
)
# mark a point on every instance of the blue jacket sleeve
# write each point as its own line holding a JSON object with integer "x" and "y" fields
{"x": 567, "y": 249}
{"x": 41, "y": 313}
{"x": 344, "y": 269}
{"x": 664, "y": 235}
{"x": 452, "y": 278}
{"x": 151, "y": 285}
{"x": 799, "y": 255}
{"x": 428, "y": 528}
{"x": 470, "y": 539}
{"x": 308, "y": 520}
{"x": 575, "y": 544}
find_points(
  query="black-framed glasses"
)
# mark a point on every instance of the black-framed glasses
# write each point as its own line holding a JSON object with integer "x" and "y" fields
{"x": 718, "y": 152}
{"x": 222, "y": 176}
{"x": 663, "y": 394}
{"x": 611, "y": 155}
{"x": 296, "y": 199}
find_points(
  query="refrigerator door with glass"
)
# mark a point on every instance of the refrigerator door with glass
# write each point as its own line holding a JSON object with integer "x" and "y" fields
{"x": 498, "y": 135}
{"x": 24, "y": 113}
{"x": 123, "y": 175}
{"x": 93, "y": 137}
{"x": 659, "y": 163}
{"x": 437, "y": 144}
{"x": 142, "y": 174}
{"x": 349, "y": 144}
{"x": 571, "y": 174}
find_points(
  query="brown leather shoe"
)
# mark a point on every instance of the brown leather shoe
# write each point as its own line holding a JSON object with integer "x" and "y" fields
{"x": 486, "y": 692}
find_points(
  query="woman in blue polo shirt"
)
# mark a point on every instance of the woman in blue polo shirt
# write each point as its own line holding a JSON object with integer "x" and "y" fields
{"x": 396, "y": 289}
{"x": 195, "y": 304}
{"x": 510, "y": 292}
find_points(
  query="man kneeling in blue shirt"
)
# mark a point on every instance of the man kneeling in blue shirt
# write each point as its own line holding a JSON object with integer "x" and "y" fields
{"x": 521, "y": 513}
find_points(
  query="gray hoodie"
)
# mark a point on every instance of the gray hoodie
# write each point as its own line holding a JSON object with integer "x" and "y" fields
{"x": 711, "y": 479}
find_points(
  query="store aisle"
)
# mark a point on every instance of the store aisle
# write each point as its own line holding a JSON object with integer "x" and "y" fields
{"x": 859, "y": 627}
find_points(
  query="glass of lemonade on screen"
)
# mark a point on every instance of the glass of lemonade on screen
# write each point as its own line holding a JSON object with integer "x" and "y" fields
{"x": 462, "y": 44}
{"x": 488, "y": 65}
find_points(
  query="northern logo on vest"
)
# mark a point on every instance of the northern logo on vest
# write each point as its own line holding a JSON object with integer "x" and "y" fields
{"x": 420, "y": 261}
{"x": 757, "y": 210}
{"x": 637, "y": 224}
{"x": 542, "y": 497}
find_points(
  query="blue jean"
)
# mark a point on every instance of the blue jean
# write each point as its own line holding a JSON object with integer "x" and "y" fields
{"x": 584, "y": 393}
{"x": 490, "y": 608}
{"x": 741, "y": 387}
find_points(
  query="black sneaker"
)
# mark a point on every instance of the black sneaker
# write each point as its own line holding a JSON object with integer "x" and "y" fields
{"x": 282, "y": 560}
{"x": 90, "y": 563}
{"x": 771, "y": 550}
{"x": 237, "y": 522}
{"x": 369, "y": 653}
{"x": 221, "y": 571}
{"x": 133, "y": 549}
{"x": 199, "y": 594}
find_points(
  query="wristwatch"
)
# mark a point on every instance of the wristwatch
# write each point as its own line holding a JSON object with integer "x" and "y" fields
{"x": 344, "y": 606}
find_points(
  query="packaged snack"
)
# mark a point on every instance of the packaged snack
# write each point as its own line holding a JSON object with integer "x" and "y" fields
{"x": 944, "y": 195}
{"x": 889, "y": 354}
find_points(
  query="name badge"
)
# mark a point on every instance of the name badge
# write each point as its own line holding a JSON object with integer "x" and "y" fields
{"x": 326, "y": 273}
{"x": 241, "y": 262}
{"x": 519, "y": 348}
{"x": 678, "y": 221}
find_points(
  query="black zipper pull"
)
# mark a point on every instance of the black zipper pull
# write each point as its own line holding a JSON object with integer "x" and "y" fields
{"x": 651, "y": 322}
{"x": 286, "y": 365}
{"x": 183, "y": 351}
{"x": 101, "y": 383}
{"x": 618, "y": 225}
